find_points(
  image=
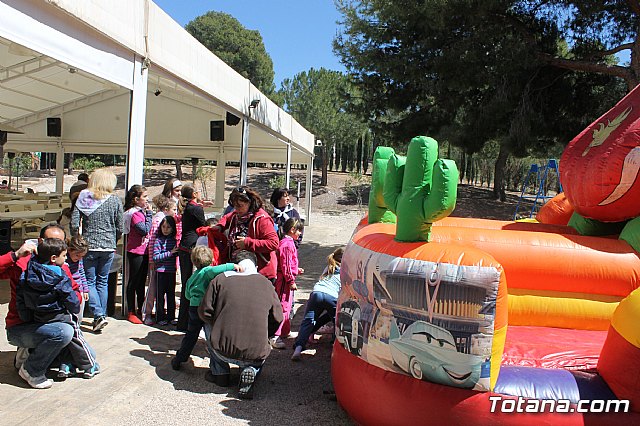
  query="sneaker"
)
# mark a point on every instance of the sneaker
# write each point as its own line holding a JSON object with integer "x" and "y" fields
{"x": 175, "y": 364}
{"x": 39, "y": 382}
{"x": 89, "y": 373}
{"x": 133, "y": 318}
{"x": 297, "y": 353}
{"x": 163, "y": 322}
{"x": 21, "y": 356}
{"x": 328, "y": 328}
{"x": 221, "y": 380}
{"x": 148, "y": 321}
{"x": 247, "y": 378}
{"x": 277, "y": 343}
{"x": 99, "y": 323}
{"x": 65, "y": 371}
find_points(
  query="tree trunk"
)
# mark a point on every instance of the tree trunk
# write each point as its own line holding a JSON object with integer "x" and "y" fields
{"x": 70, "y": 168}
{"x": 194, "y": 169}
{"x": 179, "y": 169}
{"x": 498, "y": 184}
{"x": 325, "y": 176}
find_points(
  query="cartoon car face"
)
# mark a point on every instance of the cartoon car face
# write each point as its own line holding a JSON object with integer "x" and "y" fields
{"x": 428, "y": 352}
{"x": 349, "y": 328}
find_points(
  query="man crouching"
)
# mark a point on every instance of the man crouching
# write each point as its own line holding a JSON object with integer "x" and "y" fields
{"x": 241, "y": 310}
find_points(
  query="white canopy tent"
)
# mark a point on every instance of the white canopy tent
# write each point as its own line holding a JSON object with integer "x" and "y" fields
{"x": 124, "y": 78}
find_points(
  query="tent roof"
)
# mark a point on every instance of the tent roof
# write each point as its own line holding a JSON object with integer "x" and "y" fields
{"x": 74, "y": 60}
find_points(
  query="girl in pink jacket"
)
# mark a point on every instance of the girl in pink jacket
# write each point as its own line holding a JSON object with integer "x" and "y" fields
{"x": 286, "y": 279}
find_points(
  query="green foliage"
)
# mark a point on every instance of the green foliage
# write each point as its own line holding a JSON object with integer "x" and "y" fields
{"x": 318, "y": 100}
{"x": 355, "y": 186}
{"x": 87, "y": 164}
{"x": 530, "y": 74}
{"x": 279, "y": 181}
{"x": 20, "y": 164}
{"x": 242, "y": 49}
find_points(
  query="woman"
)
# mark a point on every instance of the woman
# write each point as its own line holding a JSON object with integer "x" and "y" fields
{"x": 172, "y": 189}
{"x": 251, "y": 228}
{"x": 97, "y": 215}
{"x": 192, "y": 215}
{"x": 283, "y": 210}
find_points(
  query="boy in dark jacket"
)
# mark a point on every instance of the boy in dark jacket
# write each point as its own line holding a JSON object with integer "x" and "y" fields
{"x": 44, "y": 294}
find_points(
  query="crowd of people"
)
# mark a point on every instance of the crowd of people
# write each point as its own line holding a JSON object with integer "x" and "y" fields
{"x": 246, "y": 264}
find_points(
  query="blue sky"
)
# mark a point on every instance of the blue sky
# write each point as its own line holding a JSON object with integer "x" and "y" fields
{"x": 297, "y": 33}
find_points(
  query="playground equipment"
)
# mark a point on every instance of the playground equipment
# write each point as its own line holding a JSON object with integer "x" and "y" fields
{"x": 539, "y": 176}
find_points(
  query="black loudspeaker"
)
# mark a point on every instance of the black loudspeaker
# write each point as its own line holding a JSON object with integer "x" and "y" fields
{"x": 232, "y": 120}
{"x": 217, "y": 130}
{"x": 54, "y": 127}
{"x": 5, "y": 236}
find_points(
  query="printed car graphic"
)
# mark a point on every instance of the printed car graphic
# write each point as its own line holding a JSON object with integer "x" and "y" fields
{"x": 428, "y": 352}
{"x": 349, "y": 329}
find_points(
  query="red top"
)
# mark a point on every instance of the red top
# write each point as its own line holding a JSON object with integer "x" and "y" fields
{"x": 261, "y": 239}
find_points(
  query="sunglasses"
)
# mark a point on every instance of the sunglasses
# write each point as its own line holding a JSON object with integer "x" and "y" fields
{"x": 240, "y": 190}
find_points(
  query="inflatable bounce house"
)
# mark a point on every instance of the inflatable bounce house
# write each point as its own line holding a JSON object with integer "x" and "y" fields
{"x": 479, "y": 322}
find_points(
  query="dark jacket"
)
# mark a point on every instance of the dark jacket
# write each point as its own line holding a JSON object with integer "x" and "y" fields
{"x": 261, "y": 239}
{"x": 45, "y": 296}
{"x": 243, "y": 311}
{"x": 192, "y": 219}
{"x": 280, "y": 216}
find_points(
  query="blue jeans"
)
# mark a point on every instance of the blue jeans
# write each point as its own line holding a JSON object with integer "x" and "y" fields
{"x": 219, "y": 364}
{"x": 314, "y": 318}
{"x": 45, "y": 341}
{"x": 96, "y": 268}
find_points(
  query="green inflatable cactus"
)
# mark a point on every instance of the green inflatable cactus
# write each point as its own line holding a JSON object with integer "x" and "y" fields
{"x": 378, "y": 211}
{"x": 420, "y": 189}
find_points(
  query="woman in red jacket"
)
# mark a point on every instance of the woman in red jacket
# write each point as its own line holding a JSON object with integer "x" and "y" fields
{"x": 251, "y": 228}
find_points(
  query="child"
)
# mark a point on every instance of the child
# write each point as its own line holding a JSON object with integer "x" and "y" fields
{"x": 321, "y": 307}
{"x": 77, "y": 249}
{"x": 286, "y": 279}
{"x": 45, "y": 295}
{"x": 137, "y": 224}
{"x": 164, "y": 207}
{"x": 201, "y": 256}
{"x": 165, "y": 250}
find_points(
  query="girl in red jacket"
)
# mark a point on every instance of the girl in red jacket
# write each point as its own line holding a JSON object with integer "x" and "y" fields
{"x": 287, "y": 271}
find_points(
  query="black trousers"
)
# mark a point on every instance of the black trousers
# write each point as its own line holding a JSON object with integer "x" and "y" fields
{"x": 138, "y": 269}
{"x": 186, "y": 270}
{"x": 166, "y": 282}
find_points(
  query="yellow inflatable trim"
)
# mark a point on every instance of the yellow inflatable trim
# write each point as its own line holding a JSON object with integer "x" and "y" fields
{"x": 497, "y": 348}
{"x": 625, "y": 319}
{"x": 561, "y": 310}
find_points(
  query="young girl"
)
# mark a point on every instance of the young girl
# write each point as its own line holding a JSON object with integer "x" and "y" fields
{"x": 164, "y": 207}
{"x": 321, "y": 307}
{"x": 77, "y": 248}
{"x": 286, "y": 279}
{"x": 165, "y": 249}
{"x": 137, "y": 224}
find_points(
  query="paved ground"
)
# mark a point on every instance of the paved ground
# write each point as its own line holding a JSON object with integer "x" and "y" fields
{"x": 137, "y": 384}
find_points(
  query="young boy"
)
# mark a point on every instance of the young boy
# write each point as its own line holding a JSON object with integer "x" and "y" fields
{"x": 76, "y": 250}
{"x": 201, "y": 256}
{"x": 44, "y": 294}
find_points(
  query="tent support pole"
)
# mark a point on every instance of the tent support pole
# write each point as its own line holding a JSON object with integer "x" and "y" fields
{"x": 244, "y": 151}
{"x": 59, "y": 168}
{"x": 308, "y": 189}
{"x": 137, "y": 119}
{"x": 220, "y": 178}
{"x": 287, "y": 175}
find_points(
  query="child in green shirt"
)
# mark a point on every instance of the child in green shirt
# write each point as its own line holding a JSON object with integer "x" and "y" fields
{"x": 196, "y": 286}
